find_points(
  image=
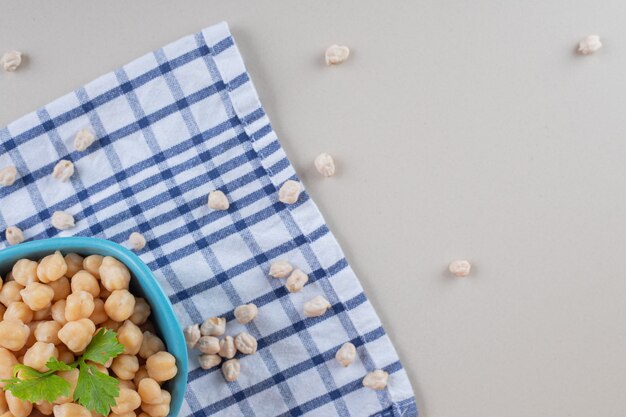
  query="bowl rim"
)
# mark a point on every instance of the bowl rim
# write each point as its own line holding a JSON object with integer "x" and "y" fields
{"x": 144, "y": 278}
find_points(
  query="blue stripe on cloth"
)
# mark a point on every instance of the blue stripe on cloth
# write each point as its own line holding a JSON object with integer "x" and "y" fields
{"x": 170, "y": 127}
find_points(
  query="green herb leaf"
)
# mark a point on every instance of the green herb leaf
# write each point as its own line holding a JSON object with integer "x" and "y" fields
{"x": 103, "y": 347}
{"x": 36, "y": 386}
{"x": 56, "y": 365}
{"x": 95, "y": 390}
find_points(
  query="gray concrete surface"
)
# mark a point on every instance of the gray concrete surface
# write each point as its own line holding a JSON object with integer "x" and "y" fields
{"x": 461, "y": 129}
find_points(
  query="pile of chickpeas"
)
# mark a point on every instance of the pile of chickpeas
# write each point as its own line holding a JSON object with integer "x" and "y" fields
{"x": 53, "y": 307}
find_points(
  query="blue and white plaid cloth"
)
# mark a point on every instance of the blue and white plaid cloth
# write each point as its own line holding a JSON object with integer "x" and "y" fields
{"x": 172, "y": 126}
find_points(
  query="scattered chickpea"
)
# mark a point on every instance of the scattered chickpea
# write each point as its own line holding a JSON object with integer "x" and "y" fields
{"x": 376, "y": 380}
{"x": 336, "y": 54}
{"x": 92, "y": 264}
{"x": 62, "y": 220}
{"x": 125, "y": 366}
{"x": 245, "y": 343}
{"x": 231, "y": 369}
{"x": 325, "y": 165}
{"x": 11, "y": 61}
{"x": 161, "y": 366}
{"x": 589, "y": 45}
{"x": 192, "y": 335}
{"x": 137, "y": 241}
{"x": 83, "y": 139}
{"x": 63, "y": 170}
{"x": 77, "y": 334}
{"x": 141, "y": 312}
{"x": 14, "y": 235}
{"x": 120, "y": 305}
{"x": 38, "y": 355}
{"x": 8, "y": 175}
{"x": 460, "y": 268}
{"x": 246, "y": 313}
{"x": 346, "y": 354}
{"x": 296, "y": 281}
{"x": 289, "y": 192}
{"x": 131, "y": 337}
{"x": 316, "y": 307}
{"x": 150, "y": 345}
{"x": 214, "y": 326}
{"x": 51, "y": 268}
{"x": 208, "y": 345}
{"x": 79, "y": 305}
{"x": 280, "y": 269}
{"x": 218, "y": 201}
{"x": 227, "y": 348}
{"x": 150, "y": 391}
{"x": 209, "y": 361}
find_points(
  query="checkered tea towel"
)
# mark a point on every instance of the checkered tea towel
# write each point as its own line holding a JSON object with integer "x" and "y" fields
{"x": 170, "y": 127}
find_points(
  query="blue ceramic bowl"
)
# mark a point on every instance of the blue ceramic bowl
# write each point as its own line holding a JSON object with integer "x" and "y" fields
{"x": 142, "y": 283}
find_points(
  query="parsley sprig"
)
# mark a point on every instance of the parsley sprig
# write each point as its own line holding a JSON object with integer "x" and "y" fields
{"x": 94, "y": 390}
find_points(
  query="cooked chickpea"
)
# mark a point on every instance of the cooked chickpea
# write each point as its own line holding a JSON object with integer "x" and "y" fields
{"x": 161, "y": 366}
{"x": 140, "y": 375}
{"x": 72, "y": 378}
{"x": 125, "y": 366}
{"x": 70, "y": 410}
{"x": 7, "y": 361}
{"x": 79, "y": 305}
{"x": 31, "y": 336}
{"x": 112, "y": 324}
{"x": 159, "y": 410}
{"x": 127, "y": 401}
{"x": 13, "y": 334}
{"x": 61, "y": 288}
{"x": 65, "y": 355}
{"x": 84, "y": 281}
{"x": 99, "y": 367}
{"x": 114, "y": 274}
{"x": 19, "y": 311}
{"x": 38, "y": 355}
{"x": 43, "y": 314}
{"x": 17, "y": 407}
{"x": 44, "y": 407}
{"x": 58, "y": 312}
{"x": 25, "y": 271}
{"x": 37, "y": 296}
{"x": 74, "y": 264}
{"x": 131, "y": 337}
{"x": 51, "y": 268}
{"x": 10, "y": 293}
{"x": 98, "y": 316}
{"x": 92, "y": 264}
{"x": 4, "y": 407}
{"x": 141, "y": 311}
{"x": 150, "y": 345}
{"x": 77, "y": 334}
{"x": 120, "y": 305}
{"x": 150, "y": 391}
{"x": 48, "y": 332}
